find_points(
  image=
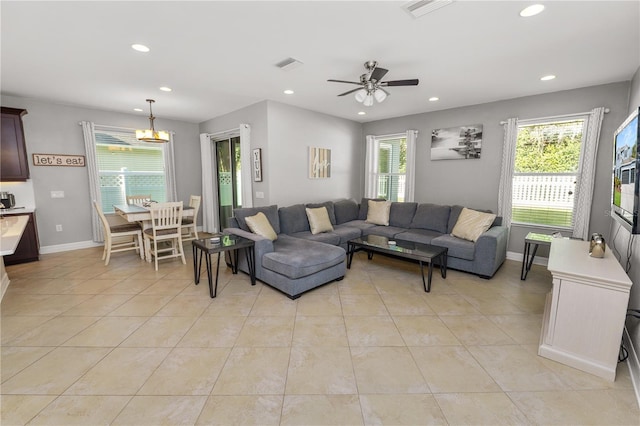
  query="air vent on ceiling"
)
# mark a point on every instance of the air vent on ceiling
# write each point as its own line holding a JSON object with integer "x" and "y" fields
{"x": 422, "y": 7}
{"x": 288, "y": 64}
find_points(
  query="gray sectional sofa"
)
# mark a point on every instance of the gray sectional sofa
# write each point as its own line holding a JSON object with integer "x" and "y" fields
{"x": 298, "y": 260}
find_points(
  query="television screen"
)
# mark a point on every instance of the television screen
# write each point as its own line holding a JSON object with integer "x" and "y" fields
{"x": 625, "y": 173}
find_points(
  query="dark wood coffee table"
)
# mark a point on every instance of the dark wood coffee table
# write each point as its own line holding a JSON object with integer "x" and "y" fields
{"x": 423, "y": 253}
{"x": 205, "y": 247}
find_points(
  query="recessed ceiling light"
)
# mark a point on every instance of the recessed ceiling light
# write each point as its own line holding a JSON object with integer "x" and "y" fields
{"x": 289, "y": 92}
{"x": 362, "y": 113}
{"x": 140, "y": 47}
{"x": 532, "y": 10}
{"x": 165, "y": 89}
{"x": 137, "y": 109}
{"x": 548, "y": 77}
{"x": 434, "y": 98}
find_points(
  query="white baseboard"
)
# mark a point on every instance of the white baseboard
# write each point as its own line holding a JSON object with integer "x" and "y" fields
{"x": 512, "y": 255}
{"x": 68, "y": 247}
{"x": 633, "y": 363}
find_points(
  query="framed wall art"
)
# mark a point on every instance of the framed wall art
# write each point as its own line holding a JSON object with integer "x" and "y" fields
{"x": 257, "y": 165}
{"x": 319, "y": 163}
{"x": 456, "y": 143}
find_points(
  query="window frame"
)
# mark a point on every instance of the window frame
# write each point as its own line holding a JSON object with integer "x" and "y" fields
{"x": 584, "y": 117}
{"x": 372, "y": 172}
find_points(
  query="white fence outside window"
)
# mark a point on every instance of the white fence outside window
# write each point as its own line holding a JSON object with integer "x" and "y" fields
{"x": 552, "y": 191}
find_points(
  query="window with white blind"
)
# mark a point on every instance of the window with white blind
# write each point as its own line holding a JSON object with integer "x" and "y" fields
{"x": 392, "y": 169}
{"x": 546, "y": 169}
{"x": 128, "y": 167}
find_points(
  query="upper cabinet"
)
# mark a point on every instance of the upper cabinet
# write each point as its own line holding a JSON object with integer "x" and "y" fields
{"x": 14, "y": 164}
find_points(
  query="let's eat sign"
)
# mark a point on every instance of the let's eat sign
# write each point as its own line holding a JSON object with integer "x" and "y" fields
{"x": 58, "y": 160}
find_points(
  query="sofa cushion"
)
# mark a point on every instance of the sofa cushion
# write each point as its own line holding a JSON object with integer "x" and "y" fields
{"x": 345, "y": 211}
{"x": 323, "y": 237}
{"x": 453, "y": 217}
{"x": 364, "y": 207}
{"x": 330, "y": 209}
{"x": 296, "y": 257}
{"x": 378, "y": 212}
{"x": 462, "y": 249}
{"x": 293, "y": 219}
{"x": 401, "y": 214}
{"x": 385, "y": 231}
{"x": 271, "y": 212}
{"x": 422, "y": 236}
{"x": 471, "y": 224}
{"x": 360, "y": 224}
{"x": 259, "y": 224}
{"x": 433, "y": 217}
{"x": 319, "y": 220}
{"x": 346, "y": 233}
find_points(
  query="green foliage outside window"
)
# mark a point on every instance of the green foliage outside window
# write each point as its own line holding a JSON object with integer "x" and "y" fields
{"x": 549, "y": 148}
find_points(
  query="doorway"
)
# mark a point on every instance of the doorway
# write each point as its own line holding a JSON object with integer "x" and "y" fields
{"x": 228, "y": 171}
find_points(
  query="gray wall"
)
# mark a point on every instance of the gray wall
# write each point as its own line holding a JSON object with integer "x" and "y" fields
{"x": 285, "y": 133}
{"x": 622, "y": 239}
{"x": 474, "y": 183}
{"x": 292, "y": 131}
{"x": 53, "y": 129}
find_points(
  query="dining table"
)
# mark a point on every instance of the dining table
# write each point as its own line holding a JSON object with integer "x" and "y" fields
{"x": 141, "y": 214}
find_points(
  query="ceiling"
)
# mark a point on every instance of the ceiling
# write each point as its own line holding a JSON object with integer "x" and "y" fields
{"x": 220, "y": 56}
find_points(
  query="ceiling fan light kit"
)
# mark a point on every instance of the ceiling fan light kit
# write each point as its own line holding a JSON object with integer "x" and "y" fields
{"x": 372, "y": 85}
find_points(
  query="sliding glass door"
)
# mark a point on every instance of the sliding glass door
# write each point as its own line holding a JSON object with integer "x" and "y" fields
{"x": 228, "y": 170}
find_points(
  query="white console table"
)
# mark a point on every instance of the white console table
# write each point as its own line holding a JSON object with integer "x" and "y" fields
{"x": 585, "y": 311}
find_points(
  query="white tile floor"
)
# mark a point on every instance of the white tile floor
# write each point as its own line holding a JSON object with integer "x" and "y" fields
{"x": 87, "y": 344}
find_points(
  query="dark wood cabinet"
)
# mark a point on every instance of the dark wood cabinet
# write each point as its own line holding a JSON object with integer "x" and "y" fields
{"x": 14, "y": 164}
{"x": 28, "y": 249}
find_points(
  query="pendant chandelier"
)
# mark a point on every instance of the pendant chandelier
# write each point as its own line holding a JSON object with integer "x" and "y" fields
{"x": 152, "y": 135}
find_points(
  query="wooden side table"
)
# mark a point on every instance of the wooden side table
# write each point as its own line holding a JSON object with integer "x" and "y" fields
{"x": 536, "y": 240}
{"x": 205, "y": 247}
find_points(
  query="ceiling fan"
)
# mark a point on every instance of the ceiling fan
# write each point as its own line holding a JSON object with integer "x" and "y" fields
{"x": 372, "y": 85}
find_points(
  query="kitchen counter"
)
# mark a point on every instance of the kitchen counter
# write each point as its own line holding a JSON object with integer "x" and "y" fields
{"x": 17, "y": 210}
{"x": 11, "y": 228}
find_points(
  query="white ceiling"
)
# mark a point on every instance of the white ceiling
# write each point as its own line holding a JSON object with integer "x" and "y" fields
{"x": 220, "y": 56}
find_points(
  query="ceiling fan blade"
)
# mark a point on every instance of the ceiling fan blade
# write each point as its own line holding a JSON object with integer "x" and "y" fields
{"x": 412, "y": 82}
{"x": 344, "y": 81}
{"x": 378, "y": 74}
{"x": 350, "y": 91}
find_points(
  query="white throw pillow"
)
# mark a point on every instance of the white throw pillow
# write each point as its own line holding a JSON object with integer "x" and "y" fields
{"x": 471, "y": 224}
{"x": 319, "y": 220}
{"x": 378, "y": 212}
{"x": 259, "y": 224}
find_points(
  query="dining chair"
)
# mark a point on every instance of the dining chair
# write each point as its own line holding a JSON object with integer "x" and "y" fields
{"x": 138, "y": 199}
{"x": 189, "y": 223}
{"x": 128, "y": 236}
{"x": 166, "y": 225}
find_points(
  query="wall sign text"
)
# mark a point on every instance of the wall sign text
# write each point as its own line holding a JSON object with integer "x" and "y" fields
{"x": 58, "y": 160}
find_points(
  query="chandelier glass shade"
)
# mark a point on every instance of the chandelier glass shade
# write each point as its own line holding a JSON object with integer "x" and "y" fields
{"x": 152, "y": 135}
